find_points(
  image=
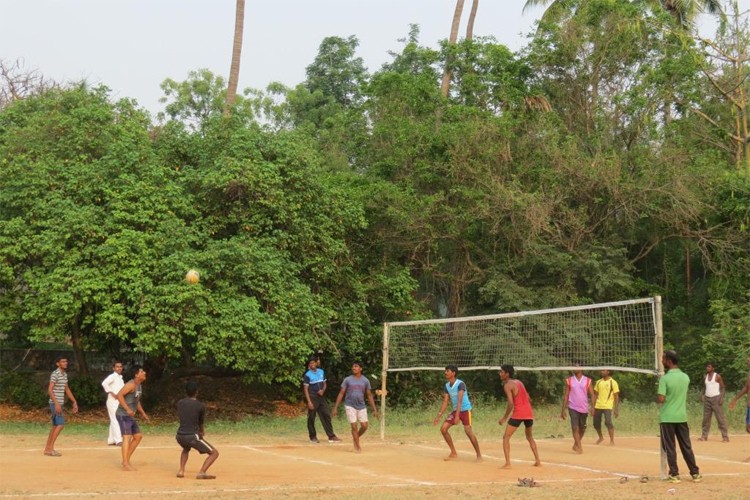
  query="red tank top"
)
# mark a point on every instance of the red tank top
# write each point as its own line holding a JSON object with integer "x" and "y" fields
{"x": 522, "y": 403}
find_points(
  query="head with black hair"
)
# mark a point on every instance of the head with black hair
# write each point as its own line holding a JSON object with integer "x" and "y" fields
{"x": 191, "y": 388}
{"x": 507, "y": 371}
{"x": 670, "y": 359}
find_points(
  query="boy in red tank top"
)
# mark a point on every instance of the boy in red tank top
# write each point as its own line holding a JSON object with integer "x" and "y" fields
{"x": 519, "y": 409}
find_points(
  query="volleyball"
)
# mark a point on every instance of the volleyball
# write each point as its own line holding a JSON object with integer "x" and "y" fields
{"x": 192, "y": 277}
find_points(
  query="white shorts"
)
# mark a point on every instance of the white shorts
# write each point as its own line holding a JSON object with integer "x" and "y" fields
{"x": 354, "y": 415}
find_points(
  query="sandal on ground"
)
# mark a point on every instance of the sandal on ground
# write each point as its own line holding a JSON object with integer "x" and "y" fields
{"x": 53, "y": 453}
{"x": 203, "y": 475}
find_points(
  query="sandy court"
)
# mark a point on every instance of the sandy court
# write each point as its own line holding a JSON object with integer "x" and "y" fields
{"x": 391, "y": 469}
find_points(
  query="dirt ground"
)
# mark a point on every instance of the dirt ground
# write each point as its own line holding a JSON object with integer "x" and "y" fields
{"x": 395, "y": 468}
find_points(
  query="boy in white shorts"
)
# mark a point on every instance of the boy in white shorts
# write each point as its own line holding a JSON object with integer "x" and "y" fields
{"x": 353, "y": 391}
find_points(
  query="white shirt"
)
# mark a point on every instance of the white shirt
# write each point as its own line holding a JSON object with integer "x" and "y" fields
{"x": 112, "y": 384}
{"x": 713, "y": 388}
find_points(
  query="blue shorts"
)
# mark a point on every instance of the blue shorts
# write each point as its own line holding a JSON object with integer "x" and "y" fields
{"x": 128, "y": 425}
{"x": 56, "y": 419}
{"x": 747, "y": 416}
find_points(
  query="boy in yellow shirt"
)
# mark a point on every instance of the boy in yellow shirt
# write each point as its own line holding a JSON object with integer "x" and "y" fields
{"x": 607, "y": 394}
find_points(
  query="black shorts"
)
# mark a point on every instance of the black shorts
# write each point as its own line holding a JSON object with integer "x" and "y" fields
{"x": 517, "y": 423}
{"x": 195, "y": 442}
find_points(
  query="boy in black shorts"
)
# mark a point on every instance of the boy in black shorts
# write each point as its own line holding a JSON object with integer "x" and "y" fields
{"x": 192, "y": 413}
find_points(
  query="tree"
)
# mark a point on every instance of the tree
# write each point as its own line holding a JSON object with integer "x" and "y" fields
{"x": 446, "y": 83}
{"x": 234, "y": 72}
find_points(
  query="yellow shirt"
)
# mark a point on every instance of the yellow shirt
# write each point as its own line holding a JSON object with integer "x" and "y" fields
{"x": 605, "y": 390}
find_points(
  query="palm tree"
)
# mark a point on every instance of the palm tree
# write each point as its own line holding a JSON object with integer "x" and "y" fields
{"x": 446, "y": 84}
{"x": 684, "y": 12}
{"x": 234, "y": 71}
{"x": 472, "y": 16}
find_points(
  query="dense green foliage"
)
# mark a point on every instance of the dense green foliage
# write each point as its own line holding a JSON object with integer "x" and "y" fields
{"x": 576, "y": 171}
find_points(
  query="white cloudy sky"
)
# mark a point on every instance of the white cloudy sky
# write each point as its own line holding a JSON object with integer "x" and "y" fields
{"x": 133, "y": 45}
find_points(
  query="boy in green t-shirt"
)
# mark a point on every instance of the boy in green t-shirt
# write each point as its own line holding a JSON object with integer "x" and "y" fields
{"x": 672, "y": 396}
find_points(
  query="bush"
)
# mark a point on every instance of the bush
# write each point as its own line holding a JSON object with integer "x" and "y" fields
{"x": 87, "y": 391}
{"x": 21, "y": 389}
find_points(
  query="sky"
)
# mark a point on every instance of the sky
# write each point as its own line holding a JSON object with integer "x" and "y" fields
{"x": 131, "y": 46}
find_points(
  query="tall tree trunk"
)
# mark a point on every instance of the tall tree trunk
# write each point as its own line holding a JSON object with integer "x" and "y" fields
{"x": 472, "y": 16}
{"x": 234, "y": 72}
{"x": 446, "y": 84}
{"x": 76, "y": 339}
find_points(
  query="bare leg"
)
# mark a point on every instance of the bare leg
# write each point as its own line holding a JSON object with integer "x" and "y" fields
{"x": 577, "y": 440}
{"x": 355, "y": 437}
{"x": 183, "y": 461}
{"x": 210, "y": 459}
{"x": 125, "y": 450}
{"x": 54, "y": 432}
{"x": 448, "y": 439}
{"x": 532, "y": 444}
{"x": 611, "y": 435}
{"x": 134, "y": 444}
{"x": 474, "y": 441}
{"x": 506, "y": 444}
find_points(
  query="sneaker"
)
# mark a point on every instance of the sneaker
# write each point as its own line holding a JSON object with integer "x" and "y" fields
{"x": 697, "y": 478}
{"x": 673, "y": 479}
{"x": 314, "y": 440}
{"x": 334, "y": 439}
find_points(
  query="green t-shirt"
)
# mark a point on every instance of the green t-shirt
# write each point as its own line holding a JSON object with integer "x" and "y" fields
{"x": 674, "y": 387}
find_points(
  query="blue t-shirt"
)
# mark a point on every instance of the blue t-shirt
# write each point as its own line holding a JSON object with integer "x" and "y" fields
{"x": 355, "y": 391}
{"x": 314, "y": 379}
{"x": 458, "y": 385}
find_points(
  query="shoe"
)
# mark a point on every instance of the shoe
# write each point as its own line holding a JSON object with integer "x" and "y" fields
{"x": 697, "y": 478}
{"x": 673, "y": 479}
{"x": 334, "y": 439}
{"x": 314, "y": 440}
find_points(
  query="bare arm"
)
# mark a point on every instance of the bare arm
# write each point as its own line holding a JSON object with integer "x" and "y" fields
{"x": 509, "y": 407}
{"x": 339, "y": 399}
{"x": 126, "y": 389}
{"x": 721, "y": 388}
{"x": 744, "y": 391}
{"x": 51, "y": 394}
{"x": 72, "y": 398}
{"x": 565, "y": 400}
{"x": 306, "y": 390}
{"x": 372, "y": 403}
{"x": 617, "y": 404}
{"x": 442, "y": 409}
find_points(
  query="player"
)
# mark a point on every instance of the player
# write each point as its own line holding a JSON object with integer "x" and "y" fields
{"x": 130, "y": 402}
{"x": 713, "y": 400}
{"x": 607, "y": 397}
{"x": 354, "y": 388}
{"x": 576, "y": 401}
{"x": 57, "y": 389}
{"x": 520, "y": 411}
{"x": 745, "y": 390}
{"x": 314, "y": 386}
{"x": 456, "y": 391}
{"x": 672, "y": 396}
{"x": 192, "y": 414}
{"x": 112, "y": 385}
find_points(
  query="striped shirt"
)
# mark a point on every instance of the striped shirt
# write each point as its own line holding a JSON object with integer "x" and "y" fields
{"x": 60, "y": 379}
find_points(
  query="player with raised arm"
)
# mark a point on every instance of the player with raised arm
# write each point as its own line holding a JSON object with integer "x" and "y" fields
{"x": 455, "y": 391}
{"x": 520, "y": 412}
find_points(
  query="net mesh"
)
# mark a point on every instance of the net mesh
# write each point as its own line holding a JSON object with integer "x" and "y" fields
{"x": 616, "y": 335}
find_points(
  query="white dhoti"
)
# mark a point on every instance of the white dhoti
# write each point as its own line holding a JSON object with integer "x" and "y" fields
{"x": 115, "y": 435}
